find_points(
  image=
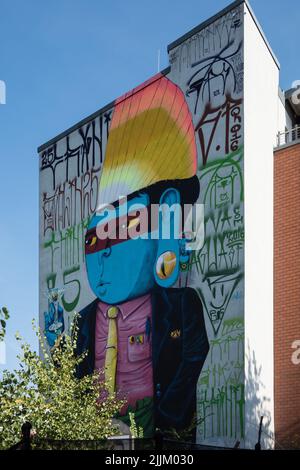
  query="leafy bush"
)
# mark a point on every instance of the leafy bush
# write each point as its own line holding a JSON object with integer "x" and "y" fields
{"x": 46, "y": 392}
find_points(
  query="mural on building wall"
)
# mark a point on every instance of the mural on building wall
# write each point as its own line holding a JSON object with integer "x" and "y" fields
{"x": 164, "y": 323}
{"x": 209, "y": 69}
{"x": 138, "y": 322}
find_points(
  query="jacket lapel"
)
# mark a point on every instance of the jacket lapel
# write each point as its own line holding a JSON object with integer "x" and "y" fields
{"x": 161, "y": 318}
{"x": 87, "y": 326}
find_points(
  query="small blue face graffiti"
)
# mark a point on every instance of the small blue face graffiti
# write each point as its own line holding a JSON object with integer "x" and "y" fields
{"x": 54, "y": 317}
{"x": 120, "y": 266}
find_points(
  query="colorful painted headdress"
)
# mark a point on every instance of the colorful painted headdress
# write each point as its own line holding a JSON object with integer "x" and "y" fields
{"x": 151, "y": 139}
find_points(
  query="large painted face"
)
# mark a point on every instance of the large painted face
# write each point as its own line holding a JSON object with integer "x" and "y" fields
{"x": 126, "y": 267}
{"x": 121, "y": 269}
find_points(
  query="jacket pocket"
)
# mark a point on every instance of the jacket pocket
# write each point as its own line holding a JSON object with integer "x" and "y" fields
{"x": 138, "y": 347}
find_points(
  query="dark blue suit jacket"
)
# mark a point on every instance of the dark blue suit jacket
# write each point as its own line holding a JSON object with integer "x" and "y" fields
{"x": 177, "y": 359}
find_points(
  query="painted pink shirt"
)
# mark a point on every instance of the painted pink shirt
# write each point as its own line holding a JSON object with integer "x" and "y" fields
{"x": 134, "y": 379}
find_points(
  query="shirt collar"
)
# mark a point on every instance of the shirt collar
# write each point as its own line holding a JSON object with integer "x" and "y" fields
{"x": 126, "y": 308}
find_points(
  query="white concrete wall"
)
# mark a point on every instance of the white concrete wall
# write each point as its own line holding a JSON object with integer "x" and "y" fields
{"x": 261, "y": 125}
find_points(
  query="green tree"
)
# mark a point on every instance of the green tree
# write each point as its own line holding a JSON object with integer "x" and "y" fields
{"x": 46, "y": 392}
{"x": 4, "y": 316}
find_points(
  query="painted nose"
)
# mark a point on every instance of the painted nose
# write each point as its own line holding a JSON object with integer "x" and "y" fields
{"x": 107, "y": 252}
{"x": 101, "y": 256}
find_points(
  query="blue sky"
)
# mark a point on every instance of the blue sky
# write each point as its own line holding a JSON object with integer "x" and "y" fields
{"x": 61, "y": 61}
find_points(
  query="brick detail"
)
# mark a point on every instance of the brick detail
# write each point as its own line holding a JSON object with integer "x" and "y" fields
{"x": 286, "y": 294}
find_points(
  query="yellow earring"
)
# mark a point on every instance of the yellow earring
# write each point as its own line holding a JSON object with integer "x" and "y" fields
{"x": 166, "y": 264}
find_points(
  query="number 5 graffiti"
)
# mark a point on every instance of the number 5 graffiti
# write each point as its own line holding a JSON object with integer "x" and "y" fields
{"x": 73, "y": 285}
{"x": 69, "y": 306}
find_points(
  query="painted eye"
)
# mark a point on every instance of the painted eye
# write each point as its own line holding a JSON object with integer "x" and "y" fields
{"x": 166, "y": 264}
{"x": 91, "y": 241}
{"x": 133, "y": 222}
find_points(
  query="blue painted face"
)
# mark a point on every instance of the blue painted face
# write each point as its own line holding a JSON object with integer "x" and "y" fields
{"x": 122, "y": 271}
